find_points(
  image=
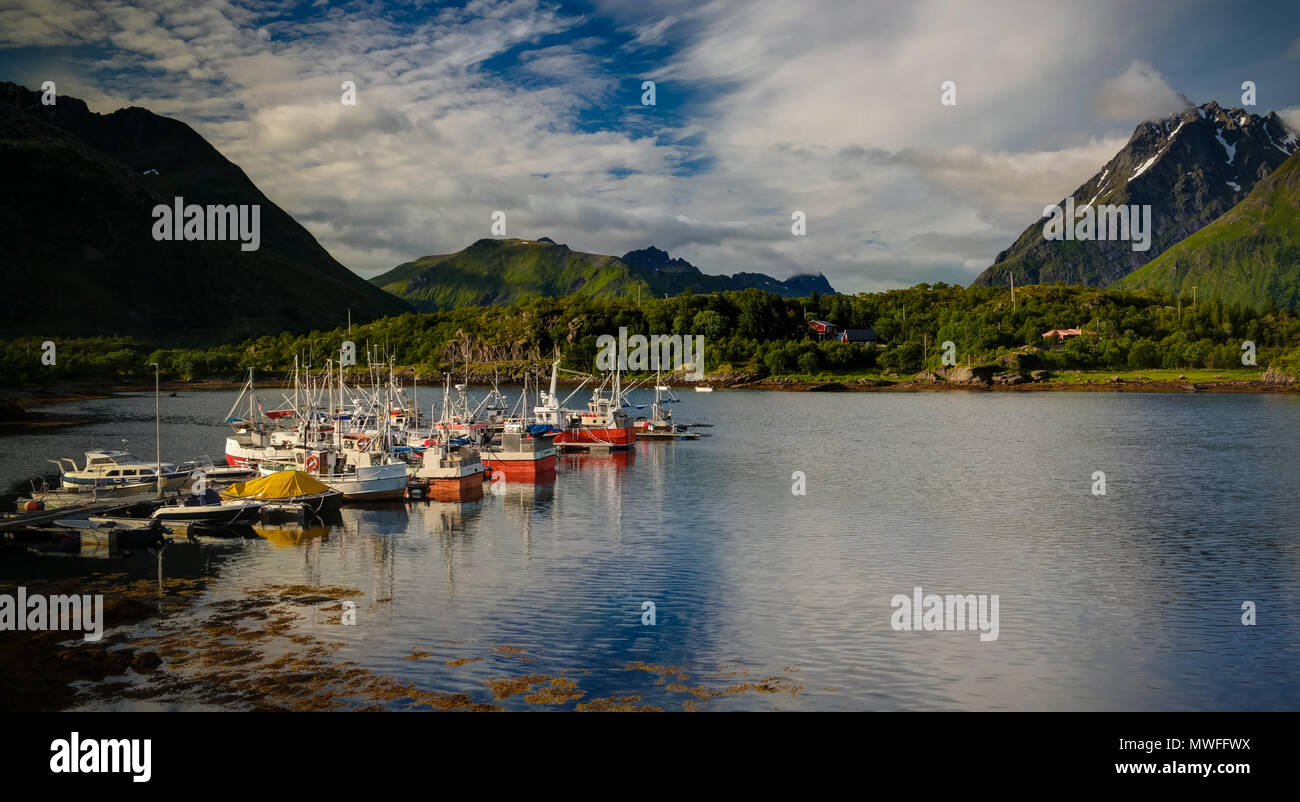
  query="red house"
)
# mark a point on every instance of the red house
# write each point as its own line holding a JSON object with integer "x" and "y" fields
{"x": 823, "y": 329}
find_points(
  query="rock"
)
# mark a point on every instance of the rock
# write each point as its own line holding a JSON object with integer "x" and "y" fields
{"x": 928, "y": 377}
{"x": 1020, "y": 361}
{"x": 1182, "y": 378}
{"x": 1040, "y": 375}
{"x": 971, "y": 376}
{"x": 146, "y": 662}
{"x": 1277, "y": 377}
{"x": 1009, "y": 379}
{"x": 1115, "y": 380}
{"x": 832, "y": 387}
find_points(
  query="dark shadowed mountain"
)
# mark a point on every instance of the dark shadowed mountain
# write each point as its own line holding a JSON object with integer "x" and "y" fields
{"x": 1191, "y": 168}
{"x": 671, "y": 275}
{"x": 499, "y": 271}
{"x": 77, "y": 220}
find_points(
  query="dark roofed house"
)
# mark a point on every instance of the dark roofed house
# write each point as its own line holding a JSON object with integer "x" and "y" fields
{"x": 859, "y": 336}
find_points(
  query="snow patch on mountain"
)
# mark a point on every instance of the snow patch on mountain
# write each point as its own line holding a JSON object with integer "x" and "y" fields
{"x": 1231, "y": 150}
{"x": 1235, "y": 186}
{"x": 1144, "y": 167}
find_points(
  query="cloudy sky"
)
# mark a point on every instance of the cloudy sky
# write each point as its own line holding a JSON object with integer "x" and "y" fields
{"x": 763, "y": 107}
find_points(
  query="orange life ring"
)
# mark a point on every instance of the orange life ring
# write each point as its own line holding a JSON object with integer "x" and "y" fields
{"x": 363, "y": 444}
{"x": 312, "y": 463}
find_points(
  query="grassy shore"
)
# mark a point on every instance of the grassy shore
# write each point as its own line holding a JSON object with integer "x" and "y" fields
{"x": 1229, "y": 380}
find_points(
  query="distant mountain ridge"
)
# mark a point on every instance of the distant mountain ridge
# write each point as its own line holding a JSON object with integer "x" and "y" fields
{"x": 500, "y": 271}
{"x": 1190, "y": 168}
{"x": 77, "y": 222}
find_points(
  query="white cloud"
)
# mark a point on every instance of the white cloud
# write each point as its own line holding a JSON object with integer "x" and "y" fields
{"x": 1137, "y": 94}
{"x": 826, "y": 107}
{"x": 1291, "y": 117}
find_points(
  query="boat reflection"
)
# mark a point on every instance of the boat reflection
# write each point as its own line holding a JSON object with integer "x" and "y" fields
{"x": 293, "y": 535}
{"x": 445, "y": 517}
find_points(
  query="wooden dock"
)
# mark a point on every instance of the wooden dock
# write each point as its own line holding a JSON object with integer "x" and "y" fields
{"x": 22, "y": 520}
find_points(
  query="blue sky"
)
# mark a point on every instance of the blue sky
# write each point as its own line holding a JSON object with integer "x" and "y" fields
{"x": 762, "y": 108}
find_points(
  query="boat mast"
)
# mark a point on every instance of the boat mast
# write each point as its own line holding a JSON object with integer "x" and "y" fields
{"x": 157, "y": 430}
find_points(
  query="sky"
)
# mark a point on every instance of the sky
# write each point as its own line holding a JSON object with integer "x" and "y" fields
{"x": 762, "y": 108}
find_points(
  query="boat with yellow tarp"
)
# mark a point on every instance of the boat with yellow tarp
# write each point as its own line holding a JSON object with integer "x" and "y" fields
{"x": 288, "y": 487}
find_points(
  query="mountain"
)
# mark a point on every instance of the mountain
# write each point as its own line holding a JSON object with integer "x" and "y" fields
{"x": 1248, "y": 256}
{"x": 670, "y": 276}
{"x": 499, "y": 271}
{"x": 1190, "y": 168}
{"x": 77, "y": 220}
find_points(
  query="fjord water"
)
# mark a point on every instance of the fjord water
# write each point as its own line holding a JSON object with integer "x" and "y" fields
{"x": 1132, "y": 600}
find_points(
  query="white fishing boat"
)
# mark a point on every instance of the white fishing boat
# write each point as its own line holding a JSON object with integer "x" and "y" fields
{"x": 702, "y": 388}
{"x": 450, "y": 469}
{"x": 660, "y": 425}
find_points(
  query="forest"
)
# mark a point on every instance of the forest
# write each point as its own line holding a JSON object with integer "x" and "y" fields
{"x": 745, "y": 332}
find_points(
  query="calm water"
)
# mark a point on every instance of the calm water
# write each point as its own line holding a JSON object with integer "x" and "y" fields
{"x": 1127, "y": 601}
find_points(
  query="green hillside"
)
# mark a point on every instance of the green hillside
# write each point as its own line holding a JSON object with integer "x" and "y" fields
{"x": 1249, "y": 256}
{"x": 493, "y": 272}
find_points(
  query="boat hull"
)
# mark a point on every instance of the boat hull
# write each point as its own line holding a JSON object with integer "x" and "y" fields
{"x": 527, "y": 469}
{"x": 623, "y": 437}
{"x": 227, "y": 514}
{"x": 460, "y": 488}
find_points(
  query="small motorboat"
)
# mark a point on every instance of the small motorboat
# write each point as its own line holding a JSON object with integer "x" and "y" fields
{"x": 208, "y": 507}
{"x": 120, "y": 470}
{"x": 213, "y": 474}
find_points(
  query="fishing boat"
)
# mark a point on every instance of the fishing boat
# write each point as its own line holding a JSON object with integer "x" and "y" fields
{"x": 450, "y": 473}
{"x": 527, "y": 452}
{"x": 451, "y": 469}
{"x": 208, "y": 507}
{"x": 118, "y": 469}
{"x": 703, "y": 388}
{"x": 259, "y": 435}
{"x": 603, "y": 425}
{"x": 660, "y": 425}
{"x": 287, "y": 487}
